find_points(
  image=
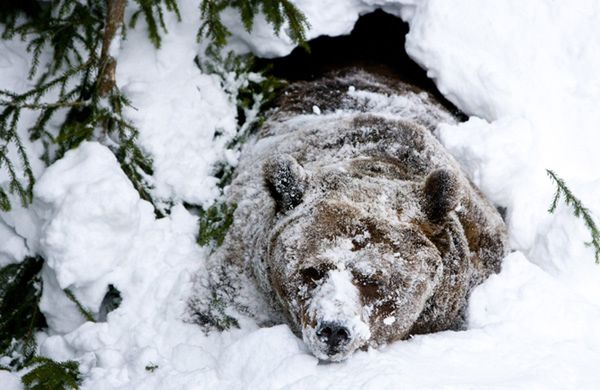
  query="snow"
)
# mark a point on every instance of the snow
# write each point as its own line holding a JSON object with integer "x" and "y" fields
{"x": 10, "y": 381}
{"x": 526, "y": 72}
{"x": 13, "y": 248}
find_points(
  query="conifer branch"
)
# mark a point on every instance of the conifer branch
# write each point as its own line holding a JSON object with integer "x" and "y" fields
{"x": 108, "y": 63}
{"x": 579, "y": 210}
{"x": 48, "y": 374}
{"x": 154, "y": 16}
{"x": 44, "y": 106}
{"x": 20, "y": 316}
{"x": 276, "y": 12}
{"x": 84, "y": 311}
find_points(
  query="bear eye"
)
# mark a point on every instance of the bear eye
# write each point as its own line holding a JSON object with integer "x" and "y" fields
{"x": 311, "y": 273}
{"x": 371, "y": 282}
{"x": 369, "y": 286}
{"x": 376, "y": 168}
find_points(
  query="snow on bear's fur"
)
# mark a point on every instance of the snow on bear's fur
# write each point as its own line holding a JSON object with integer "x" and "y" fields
{"x": 353, "y": 224}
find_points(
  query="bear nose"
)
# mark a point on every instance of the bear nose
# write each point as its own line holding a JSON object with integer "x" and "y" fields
{"x": 333, "y": 334}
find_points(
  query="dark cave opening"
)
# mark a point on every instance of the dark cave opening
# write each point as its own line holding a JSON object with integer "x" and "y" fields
{"x": 375, "y": 44}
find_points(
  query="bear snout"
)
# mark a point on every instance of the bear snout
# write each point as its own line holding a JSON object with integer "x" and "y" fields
{"x": 333, "y": 335}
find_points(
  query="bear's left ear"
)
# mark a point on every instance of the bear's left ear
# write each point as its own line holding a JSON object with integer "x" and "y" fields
{"x": 441, "y": 193}
{"x": 286, "y": 181}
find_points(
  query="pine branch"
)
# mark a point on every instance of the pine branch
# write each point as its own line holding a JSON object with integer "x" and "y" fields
{"x": 214, "y": 224}
{"x": 108, "y": 64}
{"x": 8, "y": 123}
{"x": 277, "y": 12}
{"x": 82, "y": 309}
{"x": 298, "y": 23}
{"x": 4, "y": 201}
{"x": 44, "y": 106}
{"x": 20, "y": 316}
{"x": 212, "y": 27}
{"x": 579, "y": 210}
{"x": 48, "y": 374}
{"x": 154, "y": 15}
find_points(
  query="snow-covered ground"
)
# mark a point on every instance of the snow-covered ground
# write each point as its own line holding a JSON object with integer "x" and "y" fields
{"x": 525, "y": 72}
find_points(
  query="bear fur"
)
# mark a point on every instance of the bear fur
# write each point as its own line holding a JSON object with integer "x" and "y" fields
{"x": 353, "y": 224}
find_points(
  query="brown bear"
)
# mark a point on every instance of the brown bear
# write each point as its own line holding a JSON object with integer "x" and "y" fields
{"x": 352, "y": 220}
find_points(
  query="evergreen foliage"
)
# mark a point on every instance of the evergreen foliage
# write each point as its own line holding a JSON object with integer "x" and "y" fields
{"x": 254, "y": 92}
{"x": 214, "y": 223}
{"x": 48, "y": 374}
{"x": 579, "y": 210}
{"x": 214, "y": 316}
{"x": 68, "y": 85}
{"x": 276, "y": 12}
{"x": 20, "y": 316}
{"x": 154, "y": 16}
{"x": 85, "y": 313}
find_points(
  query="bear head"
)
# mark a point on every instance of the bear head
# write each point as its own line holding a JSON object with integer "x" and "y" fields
{"x": 354, "y": 254}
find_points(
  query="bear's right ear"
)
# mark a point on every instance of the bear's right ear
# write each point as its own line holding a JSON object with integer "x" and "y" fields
{"x": 441, "y": 193}
{"x": 286, "y": 181}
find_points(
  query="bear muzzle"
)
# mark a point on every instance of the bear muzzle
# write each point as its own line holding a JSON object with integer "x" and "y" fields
{"x": 336, "y": 327}
{"x": 332, "y": 341}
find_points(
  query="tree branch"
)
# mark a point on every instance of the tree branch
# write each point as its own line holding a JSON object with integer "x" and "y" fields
{"x": 43, "y": 106}
{"x": 108, "y": 64}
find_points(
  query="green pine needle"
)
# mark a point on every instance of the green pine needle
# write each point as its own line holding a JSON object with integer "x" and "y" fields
{"x": 154, "y": 16}
{"x": 48, "y": 374}
{"x": 20, "y": 316}
{"x": 214, "y": 224}
{"x": 276, "y": 12}
{"x": 82, "y": 309}
{"x": 579, "y": 210}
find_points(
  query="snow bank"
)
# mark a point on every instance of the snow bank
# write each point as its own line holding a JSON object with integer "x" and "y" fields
{"x": 86, "y": 228}
{"x": 97, "y": 232}
{"x": 530, "y": 78}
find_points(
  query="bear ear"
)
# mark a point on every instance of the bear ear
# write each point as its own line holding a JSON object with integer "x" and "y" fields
{"x": 286, "y": 181}
{"x": 441, "y": 193}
